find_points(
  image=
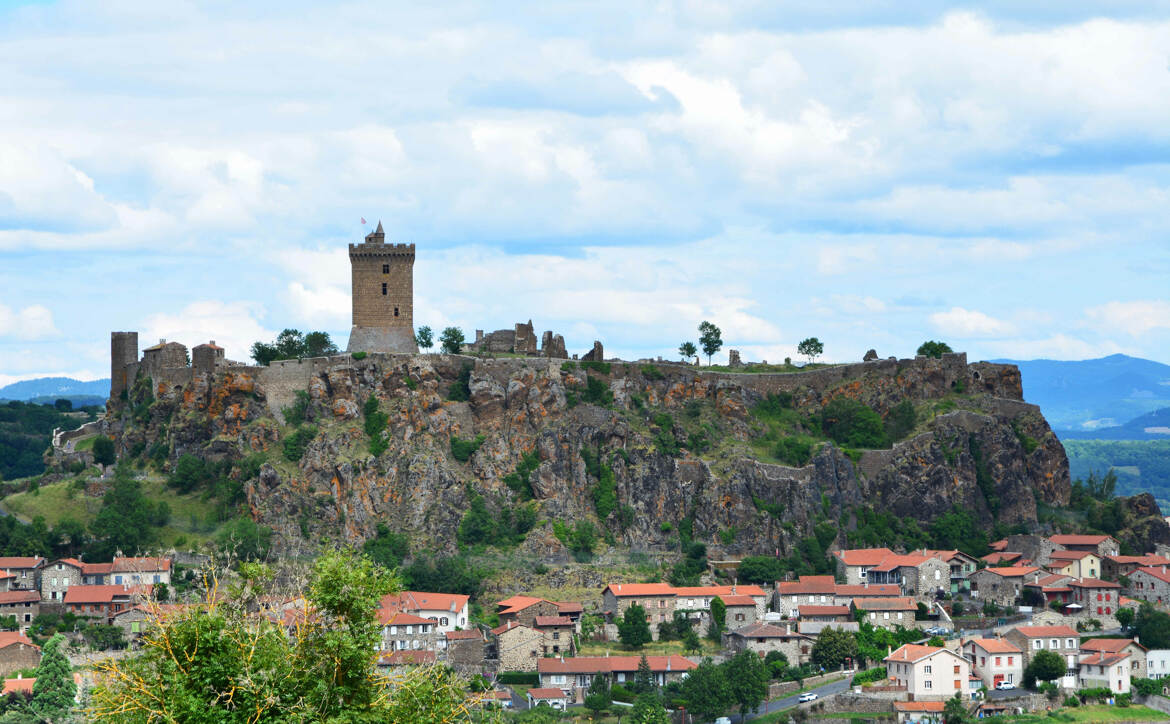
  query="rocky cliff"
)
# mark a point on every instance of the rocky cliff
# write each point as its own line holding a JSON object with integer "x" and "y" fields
{"x": 640, "y": 451}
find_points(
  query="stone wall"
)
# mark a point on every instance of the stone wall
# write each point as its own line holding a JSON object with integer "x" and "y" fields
{"x": 123, "y": 352}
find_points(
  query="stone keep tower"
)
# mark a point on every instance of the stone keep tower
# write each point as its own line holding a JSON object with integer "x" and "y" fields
{"x": 383, "y": 296}
{"x": 123, "y": 352}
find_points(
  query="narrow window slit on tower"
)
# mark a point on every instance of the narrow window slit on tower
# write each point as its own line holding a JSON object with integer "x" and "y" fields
{"x": 396, "y": 311}
{"x": 385, "y": 268}
{"x": 383, "y": 290}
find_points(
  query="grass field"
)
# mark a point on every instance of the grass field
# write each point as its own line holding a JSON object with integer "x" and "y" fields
{"x": 85, "y": 443}
{"x": 191, "y": 517}
{"x": 654, "y": 648}
{"x": 1095, "y": 713}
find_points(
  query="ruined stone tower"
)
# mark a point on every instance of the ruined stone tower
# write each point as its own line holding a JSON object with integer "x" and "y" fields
{"x": 123, "y": 352}
{"x": 383, "y": 296}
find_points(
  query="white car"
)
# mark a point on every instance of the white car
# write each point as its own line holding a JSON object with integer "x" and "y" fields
{"x": 1005, "y": 686}
{"x": 723, "y": 720}
{"x": 807, "y": 696}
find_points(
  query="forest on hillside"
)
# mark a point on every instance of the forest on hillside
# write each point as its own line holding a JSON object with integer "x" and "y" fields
{"x": 26, "y": 430}
{"x": 1141, "y": 465}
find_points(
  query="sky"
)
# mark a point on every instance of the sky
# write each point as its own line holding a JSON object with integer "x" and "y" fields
{"x": 874, "y": 174}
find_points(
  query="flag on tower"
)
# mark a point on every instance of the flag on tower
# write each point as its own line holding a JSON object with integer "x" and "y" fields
{"x": 363, "y": 221}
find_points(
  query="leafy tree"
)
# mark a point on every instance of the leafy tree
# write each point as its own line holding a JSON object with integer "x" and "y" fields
{"x": 424, "y": 337}
{"x": 718, "y": 618}
{"x": 451, "y": 340}
{"x": 760, "y": 569}
{"x": 649, "y": 710}
{"x": 634, "y": 631}
{"x": 63, "y": 405}
{"x": 387, "y": 548}
{"x": 710, "y": 339}
{"x": 934, "y": 349}
{"x": 246, "y": 538}
{"x": 1046, "y": 666}
{"x": 643, "y": 682}
{"x": 687, "y": 350}
{"x": 318, "y": 344}
{"x": 104, "y": 637}
{"x": 291, "y": 344}
{"x": 103, "y": 450}
{"x": 1125, "y": 616}
{"x": 707, "y": 691}
{"x": 853, "y": 424}
{"x": 936, "y": 641}
{"x": 126, "y": 520}
{"x": 54, "y": 689}
{"x": 954, "y": 712}
{"x": 598, "y": 699}
{"x": 833, "y": 647}
{"x": 900, "y": 420}
{"x": 748, "y": 677}
{"x": 190, "y": 473}
{"x": 690, "y": 641}
{"x": 1152, "y": 627}
{"x": 811, "y": 348}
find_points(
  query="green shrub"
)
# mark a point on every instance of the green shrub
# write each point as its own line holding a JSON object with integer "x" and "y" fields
{"x": 1072, "y": 701}
{"x": 665, "y": 527}
{"x": 773, "y": 405}
{"x": 1028, "y": 443}
{"x": 869, "y": 676}
{"x": 727, "y": 535}
{"x": 410, "y": 383}
{"x": 462, "y": 450}
{"x": 599, "y": 367}
{"x": 520, "y": 480}
{"x": 773, "y": 509}
{"x": 358, "y": 355}
{"x": 294, "y": 414}
{"x": 651, "y": 372}
{"x": 460, "y": 390}
{"x": 597, "y": 392}
{"x": 568, "y": 366}
{"x": 697, "y": 442}
{"x": 522, "y": 678}
{"x": 853, "y": 424}
{"x": 794, "y": 451}
{"x": 900, "y": 420}
{"x": 605, "y": 492}
{"x": 294, "y": 445}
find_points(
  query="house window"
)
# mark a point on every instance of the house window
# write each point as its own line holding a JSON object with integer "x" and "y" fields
{"x": 1071, "y": 643}
{"x": 443, "y": 621}
{"x": 739, "y": 617}
{"x": 997, "y": 662}
{"x": 956, "y": 668}
{"x": 1054, "y": 644}
{"x": 1037, "y": 645}
{"x": 928, "y": 685}
{"x": 385, "y": 268}
{"x": 556, "y": 635}
{"x": 926, "y": 669}
{"x": 383, "y": 289}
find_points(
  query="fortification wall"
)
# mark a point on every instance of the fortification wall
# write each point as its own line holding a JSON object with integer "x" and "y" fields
{"x": 165, "y": 380}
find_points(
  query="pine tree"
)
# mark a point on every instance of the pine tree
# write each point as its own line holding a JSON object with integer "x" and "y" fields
{"x": 643, "y": 678}
{"x": 54, "y": 689}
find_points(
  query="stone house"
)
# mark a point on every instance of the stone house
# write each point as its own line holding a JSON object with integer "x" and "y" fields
{"x": 103, "y": 601}
{"x": 928, "y": 672}
{"x": 1130, "y": 647}
{"x": 140, "y": 571}
{"x": 807, "y": 590}
{"x": 407, "y": 657}
{"x": 1150, "y": 584}
{"x": 994, "y": 660}
{"x": 923, "y": 577}
{"x": 1096, "y": 597}
{"x": 825, "y": 614}
{"x": 1002, "y": 585}
{"x": 465, "y": 650}
{"x": 23, "y": 605}
{"x": 407, "y": 632}
{"x": 133, "y": 621}
{"x": 58, "y": 576}
{"x": 17, "y": 652}
{"x": 1114, "y": 568}
{"x": 557, "y": 634}
{"x": 25, "y": 572}
{"x": 658, "y": 600}
{"x": 1102, "y": 545}
{"x": 1053, "y": 587}
{"x": 695, "y": 601}
{"x": 1078, "y": 564}
{"x": 888, "y": 613}
{"x": 1104, "y": 670}
{"x": 574, "y": 675}
{"x": 1003, "y": 558}
{"x": 525, "y": 609}
{"x": 1061, "y": 640}
{"x": 961, "y": 566}
{"x": 518, "y": 647}
{"x": 854, "y": 564}
{"x": 96, "y": 574}
{"x": 844, "y": 594}
{"x": 762, "y": 638}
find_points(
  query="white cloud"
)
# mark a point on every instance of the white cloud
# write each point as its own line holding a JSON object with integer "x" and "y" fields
{"x": 31, "y": 322}
{"x": 967, "y": 324}
{"x": 233, "y": 326}
{"x": 1057, "y": 346}
{"x": 1134, "y": 318}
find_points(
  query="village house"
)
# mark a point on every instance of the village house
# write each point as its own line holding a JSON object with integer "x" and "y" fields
{"x": 1157, "y": 663}
{"x": 825, "y": 614}
{"x": 135, "y": 571}
{"x": 741, "y": 611}
{"x": 961, "y": 565}
{"x": 23, "y": 605}
{"x": 1061, "y": 640}
{"x": 923, "y": 577}
{"x": 919, "y": 712}
{"x": 824, "y": 591}
{"x": 1003, "y": 558}
{"x": 96, "y": 574}
{"x": 854, "y": 564}
{"x": 1130, "y": 647}
{"x": 1094, "y": 595}
{"x": 888, "y": 613}
{"x": 1104, "y": 670}
{"x": 57, "y": 577}
{"x": 25, "y": 572}
{"x": 17, "y": 652}
{"x": 102, "y": 601}
{"x": 448, "y": 611}
{"x": 1078, "y": 564}
{"x": 574, "y": 675}
{"x": 1002, "y": 585}
{"x": 1113, "y": 568}
{"x": 994, "y": 661}
{"x": 1150, "y": 584}
{"x": 405, "y": 631}
{"x": 465, "y": 650}
{"x": 525, "y": 609}
{"x": 1102, "y": 545}
{"x": 762, "y": 638}
{"x": 1053, "y": 587}
{"x": 133, "y": 621}
{"x": 695, "y": 601}
{"x": 388, "y": 660}
{"x": 844, "y": 594}
{"x": 553, "y": 698}
{"x": 518, "y": 647}
{"x": 557, "y": 634}
{"x": 657, "y": 599}
{"x": 928, "y": 672}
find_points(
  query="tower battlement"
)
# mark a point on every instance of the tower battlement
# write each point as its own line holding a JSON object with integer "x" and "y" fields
{"x": 383, "y": 295}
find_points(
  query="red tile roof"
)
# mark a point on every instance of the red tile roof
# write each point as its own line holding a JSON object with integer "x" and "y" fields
{"x": 515, "y": 604}
{"x": 21, "y": 561}
{"x": 868, "y": 589}
{"x": 889, "y": 563}
{"x": 823, "y": 611}
{"x": 1109, "y": 645}
{"x": 863, "y": 556}
{"x": 602, "y": 664}
{"x": 1102, "y": 658}
{"x": 1078, "y": 540}
{"x": 909, "y": 653}
{"x": 100, "y": 593}
{"x": 923, "y": 706}
{"x": 1093, "y": 583}
{"x": 999, "y": 545}
{"x": 1013, "y": 571}
{"x": 993, "y": 559}
{"x": 901, "y": 603}
{"x": 995, "y": 646}
{"x": 806, "y": 585}
{"x": 19, "y": 597}
{"x": 8, "y": 638}
{"x": 421, "y": 600}
{"x": 402, "y": 619}
{"x": 464, "y": 635}
{"x": 569, "y": 606}
{"x": 740, "y": 600}
{"x": 1069, "y": 555}
{"x": 140, "y": 565}
{"x": 1149, "y": 559}
{"x": 554, "y": 621}
{"x": 24, "y": 686}
{"x": 547, "y": 694}
{"x": 508, "y": 627}
{"x": 622, "y": 590}
{"x": 721, "y": 591}
{"x": 765, "y": 631}
{"x": 1159, "y": 573}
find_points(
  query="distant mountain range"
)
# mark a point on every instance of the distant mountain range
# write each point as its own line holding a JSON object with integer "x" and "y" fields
{"x": 48, "y": 389}
{"x": 1087, "y": 396}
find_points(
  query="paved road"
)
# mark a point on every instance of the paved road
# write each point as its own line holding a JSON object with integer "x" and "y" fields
{"x": 790, "y": 701}
{"x": 996, "y": 694}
